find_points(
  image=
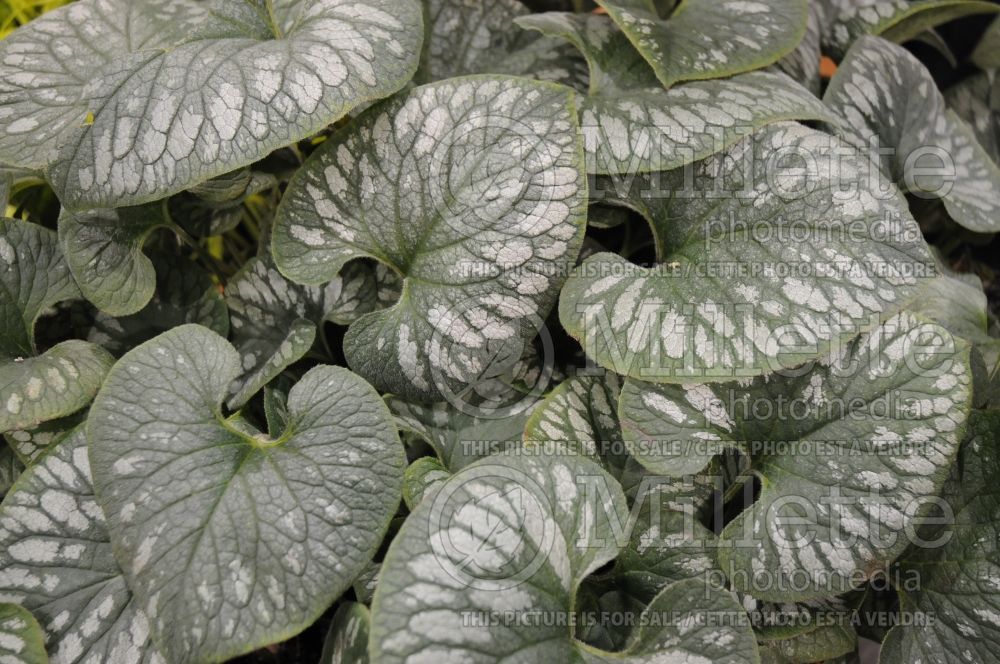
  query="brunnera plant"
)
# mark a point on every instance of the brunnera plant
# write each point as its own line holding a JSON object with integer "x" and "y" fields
{"x": 473, "y": 331}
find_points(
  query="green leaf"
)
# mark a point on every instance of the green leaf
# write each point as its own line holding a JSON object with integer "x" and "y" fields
{"x": 925, "y": 148}
{"x": 10, "y": 468}
{"x": 191, "y": 496}
{"x": 735, "y": 294}
{"x": 35, "y": 388}
{"x": 56, "y": 559}
{"x": 151, "y": 99}
{"x": 977, "y": 101}
{"x": 184, "y": 293}
{"x": 276, "y": 322}
{"x": 802, "y": 64}
{"x": 896, "y": 20}
{"x": 104, "y": 251}
{"x": 516, "y": 535}
{"x": 987, "y": 53}
{"x": 632, "y": 125}
{"x": 706, "y": 39}
{"x": 459, "y": 438}
{"x": 421, "y": 477}
{"x": 473, "y": 191}
{"x": 21, "y": 638}
{"x": 875, "y": 426}
{"x": 804, "y": 633}
{"x": 347, "y": 640}
{"x": 216, "y": 206}
{"x": 481, "y": 38}
{"x": 958, "y": 565}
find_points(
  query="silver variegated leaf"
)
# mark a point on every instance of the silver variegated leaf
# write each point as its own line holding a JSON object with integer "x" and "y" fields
{"x": 276, "y": 322}
{"x": 734, "y": 293}
{"x": 29, "y": 444}
{"x": 870, "y": 432}
{"x": 802, "y": 64}
{"x": 632, "y": 125}
{"x": 56, "y": 559}
{"x": 887, "y": 100}
{"x": 347, "y": 639}
{"x": 705, "y": 39}
{"x": 515, "y": 536}
{"x": 473, "y": 191}
{"x": 152, "y": 98}
{"x": 958, "y": 563}
{"x": 35, "y": 388}
{"x": 977, "y": 101}
{"x": 21, "y": 638}
{"x": 421, "y": 477}
{"x": 896, "y": 20}
{"x": 231, "y": 539}
{"x": 472, "y": 37}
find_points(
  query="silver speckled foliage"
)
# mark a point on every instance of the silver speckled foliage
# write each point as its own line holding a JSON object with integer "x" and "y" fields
{"x": 499, "y": 331}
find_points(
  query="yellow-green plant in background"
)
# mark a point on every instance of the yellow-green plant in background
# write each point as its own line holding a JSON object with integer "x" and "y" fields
{"x": 18, "y": 12}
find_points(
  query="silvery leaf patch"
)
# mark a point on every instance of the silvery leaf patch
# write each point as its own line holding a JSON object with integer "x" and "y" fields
{"x": 231, "y": 539}
{"x": 347, "y": 640}
{"x": 472, "y": 37}
{"x": 704, "y": 39}
{"x": 958, "y": 562}
{"x": 37, "y": 387}
{"x": 184, "y": 294}
{"x": 149, "y": 99}
{"x": 29, "y": 444}
{"x": 473, "y": 191}
{"x": 276, "y": 322}
{"x": 21, "y": 638}
{"x": 845, "y": 453}
{"x": 895, "y": 20}
{"x": 923, "y": 147}
{"x": 56, "y": 559}
{"x": 519, "y": 534}
{"x": 762, "y": 261}
{"x": 632, "y": 125}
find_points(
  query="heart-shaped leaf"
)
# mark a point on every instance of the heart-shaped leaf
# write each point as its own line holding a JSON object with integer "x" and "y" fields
{"x": 104, "y": 251}
{"x": 705, "y": 39}
{"x": 632, "y": 125}
{"x": 896, "y": 20}
{"x": 275, "y": 322}
{"x": 152, "y": 99}
{"x": 35, "y": 388}
{"x": 763, "y": 262}
{"x": 873, "y": 430}
{"x": 925, "y": 148}
{"x": 232, "y": 540}
{"x": 21, "y": 638}
{"x": 466, "y": 37}
{"x": 56, "y": 559}
{"x": 958, "y": 563}
{"x": 515, "y": 536}
{"x": 184, "y": 294}
{"x": 478, "y": 200}
{"x": 347, "y": 640}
